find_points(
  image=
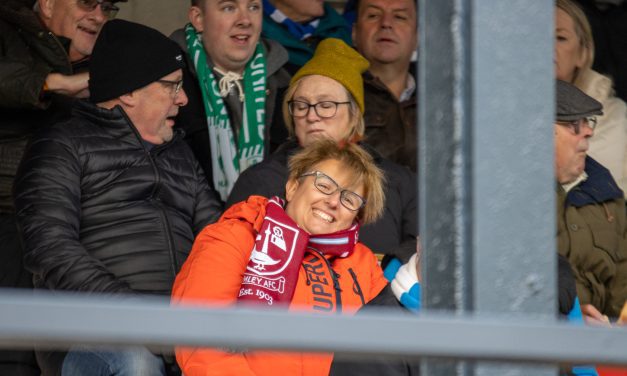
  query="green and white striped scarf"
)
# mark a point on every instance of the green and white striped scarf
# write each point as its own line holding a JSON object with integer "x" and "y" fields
{"x": 228, "y": 159}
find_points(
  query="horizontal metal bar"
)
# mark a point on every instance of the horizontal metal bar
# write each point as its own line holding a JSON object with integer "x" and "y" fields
{"x": 60, "y": 320}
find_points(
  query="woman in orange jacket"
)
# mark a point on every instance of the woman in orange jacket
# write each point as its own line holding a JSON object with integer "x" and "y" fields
{"x": 303, "y": 255}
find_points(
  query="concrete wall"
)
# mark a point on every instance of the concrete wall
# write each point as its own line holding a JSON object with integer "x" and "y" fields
{"x": 167, "y": 15}
{"x": 164, "y": 15}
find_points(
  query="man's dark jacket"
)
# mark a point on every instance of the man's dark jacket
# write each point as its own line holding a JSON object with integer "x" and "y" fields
{"x": 28, "y": 53}
{"x": 592, "y": 235}
{"x": 100, "y": 211}
{"x": 394, "y": 234}
{"x": 390, "y": 124}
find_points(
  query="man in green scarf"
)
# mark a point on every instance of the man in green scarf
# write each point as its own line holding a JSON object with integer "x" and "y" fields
{"x": 234, "y": 82}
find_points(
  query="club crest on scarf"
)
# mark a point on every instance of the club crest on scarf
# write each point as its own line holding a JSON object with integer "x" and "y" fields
{"x": 271, "y": 255}
{"x": 280, "y": 245}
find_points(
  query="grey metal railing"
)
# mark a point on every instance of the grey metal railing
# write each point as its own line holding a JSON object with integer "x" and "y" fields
{"x": 60, "y": 320}
{"x": 487, "y": 225}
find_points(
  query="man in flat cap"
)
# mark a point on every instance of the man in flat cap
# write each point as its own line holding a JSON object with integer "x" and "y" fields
{"x": 110, "y": 200}
{"x": 590, "y": 209}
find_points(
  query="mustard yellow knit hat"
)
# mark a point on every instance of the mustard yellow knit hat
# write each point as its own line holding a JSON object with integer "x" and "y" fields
{"x": 335, "y": 59}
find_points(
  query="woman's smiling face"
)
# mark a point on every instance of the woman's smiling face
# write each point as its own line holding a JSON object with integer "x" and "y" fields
{"x": 316, "y": 212}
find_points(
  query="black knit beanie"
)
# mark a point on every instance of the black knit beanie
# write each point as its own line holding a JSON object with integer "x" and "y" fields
{"x": 128, "y": 56}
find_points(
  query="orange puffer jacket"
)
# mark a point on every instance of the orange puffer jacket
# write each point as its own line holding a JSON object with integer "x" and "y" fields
{"x": 213, "y": 274}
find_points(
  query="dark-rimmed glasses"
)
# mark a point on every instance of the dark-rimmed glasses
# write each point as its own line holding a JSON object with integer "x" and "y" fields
{"x": 575, "y": 125}
{"x": 324, "y": 109}
{"x": 108, "y": 9}
{"x": 176, "y": 85}
{"x": 350, "y": 200}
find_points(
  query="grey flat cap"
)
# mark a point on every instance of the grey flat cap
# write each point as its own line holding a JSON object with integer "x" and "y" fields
{"x": 573, "y": 104}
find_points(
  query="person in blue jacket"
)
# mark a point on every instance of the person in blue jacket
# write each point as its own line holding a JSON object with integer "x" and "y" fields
{"x": 299, "y": 25}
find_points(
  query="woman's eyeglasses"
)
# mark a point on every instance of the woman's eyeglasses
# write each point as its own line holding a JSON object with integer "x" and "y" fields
{"x": 324, "y": 109}
{"x": 350, "y": 200}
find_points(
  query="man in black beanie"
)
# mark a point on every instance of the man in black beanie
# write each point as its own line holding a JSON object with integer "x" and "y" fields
{"x": 590, "y": 209}
{"x": 110, "y": 201}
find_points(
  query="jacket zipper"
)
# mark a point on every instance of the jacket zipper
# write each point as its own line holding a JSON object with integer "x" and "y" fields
{"x": 155, "y": 190}
{"x": 357, "y": 287}
{"x": 163, "y": 215}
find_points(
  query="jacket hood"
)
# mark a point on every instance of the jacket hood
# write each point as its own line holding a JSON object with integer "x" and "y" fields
{"x": 253, "y": 210}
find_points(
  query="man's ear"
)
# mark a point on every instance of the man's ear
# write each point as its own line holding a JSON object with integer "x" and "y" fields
{"x": 290, "y": 189}
{"x": 129, "y": 100}
{"x": 46, "y": 8}
{"x": 196, "y": 17}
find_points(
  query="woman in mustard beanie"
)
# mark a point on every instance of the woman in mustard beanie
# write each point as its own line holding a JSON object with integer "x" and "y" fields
{"x": 325, "y": 99}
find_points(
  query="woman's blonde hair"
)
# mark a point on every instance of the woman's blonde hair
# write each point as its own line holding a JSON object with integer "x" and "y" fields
{"x": 356, "y": 117}
{"x": 355, "y": 160}
{"x": 584, "y": 33}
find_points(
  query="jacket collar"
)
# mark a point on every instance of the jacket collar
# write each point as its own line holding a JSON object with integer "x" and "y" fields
{"x": 374, "y": 82}
{"x": 117, "y": 120}
{"x": 599, "y": 187}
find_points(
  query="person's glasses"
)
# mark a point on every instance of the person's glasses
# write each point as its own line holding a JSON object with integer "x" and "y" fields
{"x": 324, "y": 109}
{"x": 108, "y": 9}
{"x": 575, "y": 125}
{"x": 176, "y": 85}
{"x": 350, "y": 200}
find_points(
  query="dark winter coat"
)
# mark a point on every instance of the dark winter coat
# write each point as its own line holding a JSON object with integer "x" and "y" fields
{"x": 394, "y": 234}
{"x": 591, "y": 235}
{"x": 390, "y": 124}
{"x": 99, "y": 211}
{"x": 28, "y": 53}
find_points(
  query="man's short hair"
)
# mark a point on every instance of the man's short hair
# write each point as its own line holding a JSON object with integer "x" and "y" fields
{"x": 357, "y": 3}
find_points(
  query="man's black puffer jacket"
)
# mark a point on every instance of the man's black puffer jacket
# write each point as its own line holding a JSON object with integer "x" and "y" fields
{"x": 99, "y": 212}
